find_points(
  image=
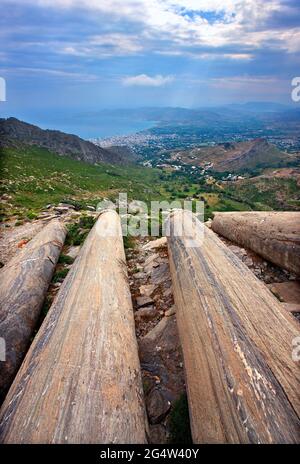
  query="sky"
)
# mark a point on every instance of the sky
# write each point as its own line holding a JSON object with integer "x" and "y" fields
{"x": 64, "y": 57}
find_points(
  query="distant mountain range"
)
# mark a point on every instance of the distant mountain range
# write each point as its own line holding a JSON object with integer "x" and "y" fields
{"x": 13, "y": 131}
{"x": 205, "y": 114}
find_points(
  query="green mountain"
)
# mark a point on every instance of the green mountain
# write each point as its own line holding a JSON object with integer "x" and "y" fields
{"x": 13, "y": 131}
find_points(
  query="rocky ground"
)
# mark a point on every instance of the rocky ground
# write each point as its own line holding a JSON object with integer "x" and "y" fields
{"x": 156, "y": 329}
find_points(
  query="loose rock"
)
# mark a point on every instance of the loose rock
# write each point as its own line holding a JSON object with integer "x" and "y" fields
{"x": 157, "y": 406}
{"x": 142, "y": 301}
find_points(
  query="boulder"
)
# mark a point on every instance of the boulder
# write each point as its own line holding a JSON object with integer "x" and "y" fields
{"x": 157, "y": 406}
{"x": 291, "y": 307}
{"x": 160, "y": 242}
{"x": 171, "y": 311}
{"x": 287, "y": 292}
{"x": 142, "y": 301}
{"x": 147, "y": 290}
{"x": 145, "y": 314}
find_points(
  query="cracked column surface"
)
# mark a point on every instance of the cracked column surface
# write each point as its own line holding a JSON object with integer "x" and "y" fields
{"x": 24, "y": 281}
{"x": 242, "y": 379}
{"x": 81, "y": 381}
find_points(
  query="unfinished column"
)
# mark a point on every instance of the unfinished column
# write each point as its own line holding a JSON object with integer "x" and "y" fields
{"x": 81, "y": 381}
{"x": 237, "y": 341}
{"x": 273, "y": 235}
{"x": 23, "y": 285}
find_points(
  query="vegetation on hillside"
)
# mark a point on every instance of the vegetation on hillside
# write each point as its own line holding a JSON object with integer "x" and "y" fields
{"x": 32, "y": 178}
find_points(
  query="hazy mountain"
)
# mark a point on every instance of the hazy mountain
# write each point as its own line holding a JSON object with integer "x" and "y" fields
{"x": 259, "y": 107}
{"x": 13, "y": 131}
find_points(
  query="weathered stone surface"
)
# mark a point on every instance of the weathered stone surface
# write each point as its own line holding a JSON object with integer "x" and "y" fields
{"x": 66, "y": 205}
{"x": 160, "y": 274}
{"x": 242, "y": 382}
{"x": 151, "y": 262}
{"x": 23, "y": 285}
{"x": 158, "y": 434}
{"x": 151, "y": 258}
{"x": 273, "y": 235}
{"x": 81, "y": 379}
{"x": 73, "y": 251}
{"x": 160, "y": 354}
{"x": 61, "y": 209}
{"x": 140, "y": 275}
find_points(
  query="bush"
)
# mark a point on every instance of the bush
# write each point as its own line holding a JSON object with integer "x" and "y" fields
{"x": 65, "y": 259}
{"x": 60, "y": 275}
{"x": 128, "y": 242}
{"x": 78, "y": 232}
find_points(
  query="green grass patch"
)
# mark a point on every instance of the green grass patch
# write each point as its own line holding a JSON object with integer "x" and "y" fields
{"x": 65, "y": 259}
{"x": 129, "y": 242}
{"x": 60, "y": 275}
{"x": 78, "y": 231}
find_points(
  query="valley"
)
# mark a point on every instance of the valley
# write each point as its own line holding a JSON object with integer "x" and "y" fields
{"x": 45, "y": 170}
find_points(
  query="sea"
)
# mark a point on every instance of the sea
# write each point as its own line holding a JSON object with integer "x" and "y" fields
{"x": 103, "y": 127}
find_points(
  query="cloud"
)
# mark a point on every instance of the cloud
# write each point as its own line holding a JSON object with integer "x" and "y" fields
{"x": 56, "y": 73}
{"x": 146, "y": 43}
{"x": 172, "y": 25}
{"x": 104, "y": 46}
{"x": 252, "y": 86}
{"x": 143, "y": 80}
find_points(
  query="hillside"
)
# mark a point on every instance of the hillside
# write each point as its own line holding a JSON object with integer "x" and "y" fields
{"x": 235, "y": 156}
{"x": 278, "y": 191}
{"x": 13, "y": 131}
{"x": 32, "y": 177}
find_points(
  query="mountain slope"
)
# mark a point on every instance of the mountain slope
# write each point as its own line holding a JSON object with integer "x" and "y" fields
{"x": 236, "y": 157}
{"x": 32, "y": 177}
{"x": 13, "y": 131}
